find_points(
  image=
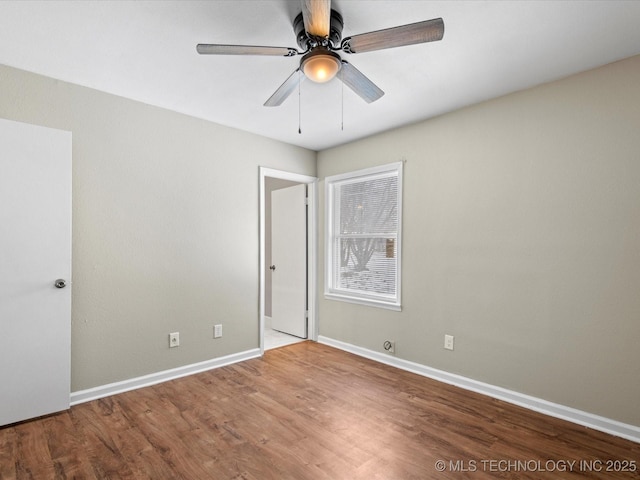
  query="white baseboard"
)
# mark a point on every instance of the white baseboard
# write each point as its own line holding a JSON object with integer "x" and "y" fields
{"x": 603, "y": 424}
{"x": 159, "y": 377}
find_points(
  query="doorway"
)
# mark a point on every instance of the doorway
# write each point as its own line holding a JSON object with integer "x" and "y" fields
{"x": 305, "y": 303}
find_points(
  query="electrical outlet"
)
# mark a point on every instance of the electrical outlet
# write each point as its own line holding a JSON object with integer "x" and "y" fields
{"x": 448, "y": 342}
{"x": 389, "y": 346}
{"x": 217, "y": 331}
{"x": 174, "y": 339}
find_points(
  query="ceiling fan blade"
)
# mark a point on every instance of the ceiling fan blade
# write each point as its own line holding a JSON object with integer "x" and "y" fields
{"x": 359, "y": 83}
{"x": 284, "y": 90}
{"x": 317, "y": 17}
{"x": 420, "y": 32}
{"x": 216, "y": 49}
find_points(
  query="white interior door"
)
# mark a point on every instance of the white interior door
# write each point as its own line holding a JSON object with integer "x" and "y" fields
{"x": 35, "y": 251}
{"x": 289, "y": 260}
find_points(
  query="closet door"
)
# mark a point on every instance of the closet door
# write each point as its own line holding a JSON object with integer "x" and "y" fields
{"x": 35, "y": 271}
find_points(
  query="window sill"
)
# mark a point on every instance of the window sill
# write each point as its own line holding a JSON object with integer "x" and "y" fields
{"x": 363, "y": 301}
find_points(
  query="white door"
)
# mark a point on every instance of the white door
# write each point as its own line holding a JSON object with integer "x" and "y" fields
{"x": 289, "y": 260}
{"x": 35, "y": 251}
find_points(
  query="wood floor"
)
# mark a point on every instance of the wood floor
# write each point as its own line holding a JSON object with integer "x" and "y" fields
{"x": 308, "y": 411}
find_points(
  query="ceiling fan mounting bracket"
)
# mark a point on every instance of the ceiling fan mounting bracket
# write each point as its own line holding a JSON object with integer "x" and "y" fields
{"x": 307, "y": 42}
{"x": 346, "y": 45}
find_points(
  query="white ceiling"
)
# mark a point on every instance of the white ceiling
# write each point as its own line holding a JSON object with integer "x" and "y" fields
{"x": 145, "y": 50}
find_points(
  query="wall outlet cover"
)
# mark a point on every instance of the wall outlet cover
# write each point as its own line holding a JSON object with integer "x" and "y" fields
{"x": 448, "y": 342}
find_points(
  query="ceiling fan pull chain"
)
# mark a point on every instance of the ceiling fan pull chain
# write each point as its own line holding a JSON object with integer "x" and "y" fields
{"x": 342, "y": 101}
{"x": 299, "y": 108}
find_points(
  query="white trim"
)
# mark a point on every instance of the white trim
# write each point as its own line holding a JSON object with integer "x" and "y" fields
{"x": 102, "y": 391}
{"x": 352, "y": 177}
{"x": 603, "y": 424}
{"x": 312, "y": 233}
{"x": 312, "y": 225}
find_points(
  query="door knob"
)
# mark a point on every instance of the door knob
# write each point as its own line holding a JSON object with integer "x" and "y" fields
{"x": 272, "y": 268}
{"x": 60, "y": 283}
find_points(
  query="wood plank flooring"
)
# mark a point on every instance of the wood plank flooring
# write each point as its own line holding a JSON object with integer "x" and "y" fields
{"x": 307, "y": 411}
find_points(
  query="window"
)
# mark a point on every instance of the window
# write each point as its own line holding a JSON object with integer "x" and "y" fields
{"x": 362, "y": 237}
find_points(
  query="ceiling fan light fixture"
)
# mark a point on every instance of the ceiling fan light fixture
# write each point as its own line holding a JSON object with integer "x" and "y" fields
{"x": 320, "y": 65}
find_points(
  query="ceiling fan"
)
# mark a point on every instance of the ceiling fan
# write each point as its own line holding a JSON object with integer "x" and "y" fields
{"x": 318, "y": 31}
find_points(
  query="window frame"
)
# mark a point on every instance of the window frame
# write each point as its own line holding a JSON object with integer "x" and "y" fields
{"x": 333, "y": 292}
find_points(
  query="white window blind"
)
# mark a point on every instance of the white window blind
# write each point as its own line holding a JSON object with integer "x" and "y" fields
{"x": 363, "y": 211}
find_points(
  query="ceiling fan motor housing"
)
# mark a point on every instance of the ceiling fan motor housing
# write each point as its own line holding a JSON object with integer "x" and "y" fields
{"x": 307, "y": 42}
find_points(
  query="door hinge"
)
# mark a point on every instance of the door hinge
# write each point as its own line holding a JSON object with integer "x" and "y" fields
{"x": 306, "y": 314}
{"x": 306, "y": 200}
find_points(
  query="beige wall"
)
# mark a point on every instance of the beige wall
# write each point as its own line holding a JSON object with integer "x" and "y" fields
{"x": 165, "y": 227}
{"x": 521, "y": 236}
{"x": 522, "y": 239}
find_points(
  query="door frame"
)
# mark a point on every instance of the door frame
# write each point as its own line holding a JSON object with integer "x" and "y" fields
{"x": 312, "y": 246}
